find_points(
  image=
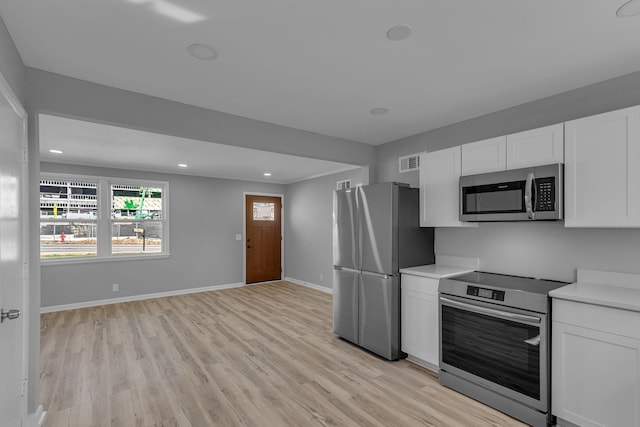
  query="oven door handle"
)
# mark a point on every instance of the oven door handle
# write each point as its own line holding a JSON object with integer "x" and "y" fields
{"x": 491, "y": 312}
{"x": 535, "y": 341}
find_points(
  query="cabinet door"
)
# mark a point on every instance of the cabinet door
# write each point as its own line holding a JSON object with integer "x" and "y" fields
{"x": 485, "y": 156}
{"x": 439, "y": 189}
{"x": 536, "y": 147}
{"x": 595, "y": 377}
{"x": 420, "y": 326}
{"x": 602, "y": 170}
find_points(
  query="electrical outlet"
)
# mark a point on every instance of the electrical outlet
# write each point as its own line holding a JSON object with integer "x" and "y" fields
{"x": 321, "y": 276}
{"x": 116, "y": 287}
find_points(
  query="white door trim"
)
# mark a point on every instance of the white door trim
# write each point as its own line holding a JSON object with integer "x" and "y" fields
{"x": 7, "y": 92}
{"x": 244, "y": 231}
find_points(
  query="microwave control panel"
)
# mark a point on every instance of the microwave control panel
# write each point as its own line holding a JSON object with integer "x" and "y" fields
{"x": 545, "y": 194}
{"x": 485, "y": 293}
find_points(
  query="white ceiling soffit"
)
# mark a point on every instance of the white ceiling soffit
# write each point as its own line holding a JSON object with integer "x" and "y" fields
{"x": 322, "y": 66}
{"x": 93, "y": 144}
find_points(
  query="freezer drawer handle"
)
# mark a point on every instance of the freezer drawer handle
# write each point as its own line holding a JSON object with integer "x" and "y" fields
{"x": 379, "y": 275}
{"x": 491, "y": 312}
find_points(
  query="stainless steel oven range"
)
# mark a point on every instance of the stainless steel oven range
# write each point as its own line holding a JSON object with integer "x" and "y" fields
{"x": 494, "y": 342}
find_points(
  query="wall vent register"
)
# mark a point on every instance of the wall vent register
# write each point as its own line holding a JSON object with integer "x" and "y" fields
{"x": 409, "y": 163}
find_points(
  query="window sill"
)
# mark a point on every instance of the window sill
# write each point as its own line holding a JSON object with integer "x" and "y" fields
{"x": 114, "y": 258}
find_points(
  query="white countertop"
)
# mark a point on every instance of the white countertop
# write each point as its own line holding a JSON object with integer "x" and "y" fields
{"x": 605, "y": 295}
{"x": 436, "y": 271}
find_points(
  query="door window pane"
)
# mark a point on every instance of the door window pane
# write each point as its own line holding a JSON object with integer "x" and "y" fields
{"x": 264, "y": 211}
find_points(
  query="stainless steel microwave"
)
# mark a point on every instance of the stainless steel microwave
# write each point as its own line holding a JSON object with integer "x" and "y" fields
{"x": 526, "y": 194}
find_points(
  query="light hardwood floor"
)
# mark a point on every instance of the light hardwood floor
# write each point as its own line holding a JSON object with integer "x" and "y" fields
{"x": 260, "y": 355}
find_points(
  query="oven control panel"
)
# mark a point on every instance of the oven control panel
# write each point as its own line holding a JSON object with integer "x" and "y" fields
{"x": 485, "y": 293}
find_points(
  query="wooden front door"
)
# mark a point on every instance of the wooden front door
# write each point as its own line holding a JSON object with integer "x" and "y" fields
{"x": 264, "y": 238}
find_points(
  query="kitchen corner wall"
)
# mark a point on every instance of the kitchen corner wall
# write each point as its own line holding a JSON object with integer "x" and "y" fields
{"x": 544, "y": 250}
{"x": 309, "y": 227}
{"x": 205, "y": 215}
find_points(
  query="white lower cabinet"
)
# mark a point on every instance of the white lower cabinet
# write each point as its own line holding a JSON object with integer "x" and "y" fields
{"x": 420, "y": 331}
{"x": 595, "y": 365}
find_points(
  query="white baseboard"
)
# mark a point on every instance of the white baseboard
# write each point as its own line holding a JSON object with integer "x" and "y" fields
{"x": 52, "y": 308}
{"x": 309, "y": 285}
{"x": 37, "y": 418}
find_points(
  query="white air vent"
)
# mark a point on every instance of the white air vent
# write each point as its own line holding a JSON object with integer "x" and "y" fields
{"x": 343, "y": 185}
{"x": 409, "y": 163}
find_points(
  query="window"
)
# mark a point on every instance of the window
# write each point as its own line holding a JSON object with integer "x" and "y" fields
{"x": 264, "y": 211}
{"x": 136, "y": 219}
{"x": 101, "y": 218}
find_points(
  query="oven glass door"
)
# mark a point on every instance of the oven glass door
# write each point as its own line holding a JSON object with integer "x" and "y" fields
{"x": 499, "y": 350}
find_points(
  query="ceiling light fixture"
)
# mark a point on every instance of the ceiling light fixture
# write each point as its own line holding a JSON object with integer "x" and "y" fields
{"x": 630, "y": 8}
{"x": 378, "y": 111}
{"x": 202, "y": 51}
{"x": 267, "y": 174}
{"x": 183, "y": 165}
{"x": 55, "y": 151}
{"x": 399, "y": 32}
{"x": 177, "y": 12}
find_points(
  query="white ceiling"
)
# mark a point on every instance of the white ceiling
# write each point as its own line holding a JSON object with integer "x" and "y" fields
{"x": 94, "y": 144}
{"x": 322, "y": 65}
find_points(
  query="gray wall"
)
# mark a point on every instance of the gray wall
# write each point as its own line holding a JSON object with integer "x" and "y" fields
{"x": 205, "y": 214}
{"x": 11, "y": 66}
{"x": 539, "y": 250}
{"x": 309, "y": 227}
{"x": 601, "y": 97}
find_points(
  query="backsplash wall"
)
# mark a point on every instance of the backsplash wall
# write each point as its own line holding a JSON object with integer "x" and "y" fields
{"x": 543, "y": 250}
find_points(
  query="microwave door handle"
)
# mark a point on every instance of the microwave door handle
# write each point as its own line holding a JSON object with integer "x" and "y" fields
{"x": 528, "y": 196}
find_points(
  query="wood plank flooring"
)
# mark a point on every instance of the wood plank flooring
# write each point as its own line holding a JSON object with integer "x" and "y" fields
{"x": 260, "y": 355}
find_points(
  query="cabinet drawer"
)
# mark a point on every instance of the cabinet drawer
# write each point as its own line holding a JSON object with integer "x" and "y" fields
{"x": 425, "y": 285}
{"x": 596, "y": 317}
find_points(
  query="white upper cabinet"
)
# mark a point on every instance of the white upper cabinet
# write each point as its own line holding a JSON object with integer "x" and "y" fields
{"x": 602, "y": 170}
{"x": 484, "y": 156}
{"x": 439, "y": 193}
{"x": 536, "y": 147}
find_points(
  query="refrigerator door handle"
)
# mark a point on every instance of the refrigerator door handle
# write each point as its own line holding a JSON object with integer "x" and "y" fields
{"x": 350, "y": 270}
{"x": 379, "y": 275}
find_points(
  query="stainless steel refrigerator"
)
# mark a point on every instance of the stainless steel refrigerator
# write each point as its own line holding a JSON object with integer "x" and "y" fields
{"x": 376, "y": 232}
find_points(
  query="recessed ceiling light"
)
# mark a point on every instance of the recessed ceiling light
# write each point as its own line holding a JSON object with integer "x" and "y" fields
{"x": 399, "y": 32}
{"x": 630, "y": 8}
{"x": 267, "y": 174}
{"x": 202, "y": 51}
{"x": 183, "y": 165}
{"x": 55, "y": 151}
{"x": 379, "y": 111}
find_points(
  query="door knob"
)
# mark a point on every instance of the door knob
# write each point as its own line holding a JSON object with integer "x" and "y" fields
{"x": 9, "y": 315}
{"x": 248, "y": 247}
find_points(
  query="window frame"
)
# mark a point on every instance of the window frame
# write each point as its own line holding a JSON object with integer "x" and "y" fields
{"x": 104, "y": 218}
